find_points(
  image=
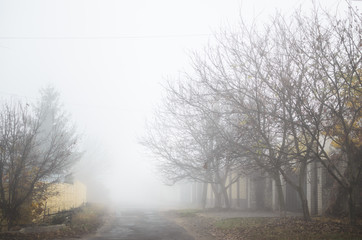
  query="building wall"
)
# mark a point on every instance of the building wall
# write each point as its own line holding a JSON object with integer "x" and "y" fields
{"x": 66, "y": 196}
{"x": 259, "y": 191}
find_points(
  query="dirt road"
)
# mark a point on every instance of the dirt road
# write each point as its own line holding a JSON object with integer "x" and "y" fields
{"x": 139, "y": 225}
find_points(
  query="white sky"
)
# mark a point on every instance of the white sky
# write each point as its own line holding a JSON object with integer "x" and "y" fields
{"x": 108, "y": 59}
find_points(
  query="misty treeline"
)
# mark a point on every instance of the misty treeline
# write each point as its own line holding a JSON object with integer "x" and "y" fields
{"x": 273, "y": 98}
{"x": 38, "y": 145}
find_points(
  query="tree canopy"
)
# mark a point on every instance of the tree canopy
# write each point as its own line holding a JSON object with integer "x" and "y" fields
{"x": 286, "y": 94}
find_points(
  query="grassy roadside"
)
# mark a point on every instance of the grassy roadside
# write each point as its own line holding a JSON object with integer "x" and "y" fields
{"x": 184, "y": 213}
{"x": 265, "y": 228}
{"x": 285, "y": 228}
{"x": 198, "y": 227}
{"x": 84, "y": 221}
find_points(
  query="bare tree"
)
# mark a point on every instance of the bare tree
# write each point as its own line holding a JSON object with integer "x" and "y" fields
{"x": 186, "y": 137}
{"x": 289, "y": 93}
{"x": 296, "y": 83}
{"x": 36, "y": 149}
{"x": 332, "y": 116}
{"x": 231, "y": 71}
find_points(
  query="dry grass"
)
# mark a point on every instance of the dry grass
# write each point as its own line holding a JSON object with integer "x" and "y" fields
{"x": 88, "y": 219}
{"x": 85, "y": 221}
{"x": 285, "y": 228}
{"x": 187, "y": 212}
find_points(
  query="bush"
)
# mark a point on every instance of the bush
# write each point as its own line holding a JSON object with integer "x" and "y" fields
{"x": 88, "y": 218}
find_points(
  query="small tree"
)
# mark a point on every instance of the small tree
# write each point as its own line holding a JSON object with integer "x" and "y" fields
{"x": 36, "y": 149}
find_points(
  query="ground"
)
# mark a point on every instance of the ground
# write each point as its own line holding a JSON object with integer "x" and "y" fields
{"x": 243, "y": 225}
{"x": 192, "y": 225}
{"x": 126, "y": 224}
{"x": 140, "y": 225}
{"x": 201, "y": 224}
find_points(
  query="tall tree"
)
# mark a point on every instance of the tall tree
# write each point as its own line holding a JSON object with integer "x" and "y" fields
{"x": 187, "y": 140}
{"x": 297, "y": 80}
{"x": 333, "y": 116}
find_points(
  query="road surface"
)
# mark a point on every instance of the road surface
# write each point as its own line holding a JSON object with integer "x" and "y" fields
{"x": 139, "y": 225}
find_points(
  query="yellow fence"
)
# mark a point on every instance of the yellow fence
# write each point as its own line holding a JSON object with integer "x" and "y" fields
{"x": 67, "y": 196}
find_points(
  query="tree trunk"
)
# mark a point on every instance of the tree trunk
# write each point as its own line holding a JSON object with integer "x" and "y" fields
{"x": 217, "y": 203}
{"x": 300, "y": 191}
{"x": 303, "y": 197}
{"x": 217, "y": 194}
{"x": 351, "y": 206}
{"x": 226, "y": 197}
{"x": 281, "y": 200}
{"x": 304, "y": 201}
{"x": 204, "y": 196}
{"x": 342, "y": 202}
{"x": 11, "y": 218}
{"x": 337, "y": 201}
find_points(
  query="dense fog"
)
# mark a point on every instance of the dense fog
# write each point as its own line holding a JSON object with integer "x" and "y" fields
{"x": 109, "y": 61}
